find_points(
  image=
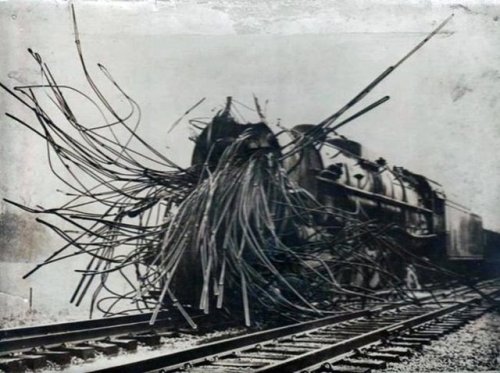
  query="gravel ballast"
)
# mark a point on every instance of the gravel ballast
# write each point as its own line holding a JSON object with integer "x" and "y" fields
{"x": 473, "y": 348}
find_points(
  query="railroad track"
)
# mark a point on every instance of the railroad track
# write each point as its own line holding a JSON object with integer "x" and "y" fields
{"x": 31, "y": 347}
{"x": 304, "y": 343}
{"x": 357, "y": 342}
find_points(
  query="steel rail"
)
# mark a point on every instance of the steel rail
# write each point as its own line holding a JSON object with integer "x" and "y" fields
{"x": 18, "y": 339}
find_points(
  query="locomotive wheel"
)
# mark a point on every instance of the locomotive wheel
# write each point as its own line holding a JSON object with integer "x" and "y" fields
{"x": 411, "y": 278}
{"x": 366, "y": 278}
{"x": 375, "y": 281}
{"x": 358, "y": 278}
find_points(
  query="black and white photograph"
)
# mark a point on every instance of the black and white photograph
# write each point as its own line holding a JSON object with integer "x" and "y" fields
{"x": 249, "y": 186}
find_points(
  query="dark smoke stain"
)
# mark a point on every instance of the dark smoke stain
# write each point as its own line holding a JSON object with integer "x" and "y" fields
{"x": 23, "y": 76}
{"x": 22, "y": 239}
{"x": 474, "y": 12}
{"x": 493, "y": 101}
{"x": 491, "y": 74}
{"x": 459, "y": 91}
{"x": 463, "y": 7}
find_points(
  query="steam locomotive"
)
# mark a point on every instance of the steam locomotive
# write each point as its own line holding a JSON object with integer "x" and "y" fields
{"x": 342, "y": 176}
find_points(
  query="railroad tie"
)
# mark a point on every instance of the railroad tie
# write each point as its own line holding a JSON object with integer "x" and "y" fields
{"x": 149, "y": 339}
{"x": 82, "y": 352}
{"x": 382, "y": 356}
{"x": 239, "y": 363}
{"x": 320, "y": 340}
{"x": 284, "y": 350}
{"x": 58, "y": 357}
{"x": 125, "y": 343}
{"x": 431, "y": 334}
{"x": 410, "y": 338}
{"x": 400, "y": 351}
{"x": 308, "y": 346}
{"x": 12, "y": 364}
{"x": 364, "y": 363}
{"x": 413, "y": 345}
{"x": 263, "y": 355}
{"x": 33, "y": 362}
{"x": 105, "y": 348}
{"x": 329, "y": 368}
{"x": 326, "y": 333}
